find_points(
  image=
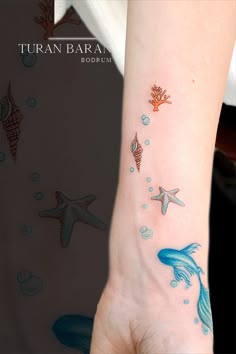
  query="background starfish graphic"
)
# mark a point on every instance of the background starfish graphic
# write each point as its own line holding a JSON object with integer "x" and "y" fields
{"x": 165, "y": 197}
{"x": 71, "y": 211}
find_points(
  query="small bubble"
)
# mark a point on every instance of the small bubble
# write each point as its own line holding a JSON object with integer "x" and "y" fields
{"x": 147, "y": 234}
{"x": 28, "y": 59}
{"x": 31, "y": 102}
{"x": 2, "y": 156}
{"x": 186, "y": 287}
{"x": 35, "y": 177}
{"x": 147, "y": 142}
{"x": 23, "y": 276}
{"x": 38, "y": 195}
{"x": 205, "y": 330}
{"x": 174, "y": 283}
{"x": 150, "y": 189}
{"x": 145, "y": 119}
{"x": 145, "y": 206}
{"x": 186, "y": 301}
{"x": 149, "y": 179}
{"x": 131, "y": 169}
{"x": 143, "y": 229}
{"x": 196, "y": 320}
{"x": 27, "y": 230}
{"x": 29, "y": 283}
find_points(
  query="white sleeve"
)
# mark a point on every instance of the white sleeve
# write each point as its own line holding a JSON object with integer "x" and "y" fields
{"x": 230, "y": 92}
{"x": 106, "y": 20}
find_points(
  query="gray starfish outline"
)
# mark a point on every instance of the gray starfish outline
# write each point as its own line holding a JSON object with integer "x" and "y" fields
{"x": 165, "y": 197}
{"x": 68, "y": 212}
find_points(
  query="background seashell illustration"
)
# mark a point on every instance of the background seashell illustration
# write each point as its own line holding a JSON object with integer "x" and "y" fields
{"x": 2, "y": 156}
{"x": 29, "y": 284}
{"x": 11, "y": 117}
{"x": 136, "y": 150}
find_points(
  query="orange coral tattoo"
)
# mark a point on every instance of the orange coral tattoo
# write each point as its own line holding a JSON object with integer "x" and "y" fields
{"x": 159, "y": 96}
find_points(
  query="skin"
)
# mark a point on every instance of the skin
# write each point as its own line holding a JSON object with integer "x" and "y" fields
{"x": 185, "y": 47}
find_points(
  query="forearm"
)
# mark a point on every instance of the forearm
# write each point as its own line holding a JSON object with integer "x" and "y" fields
{"x": 185, "y": 48}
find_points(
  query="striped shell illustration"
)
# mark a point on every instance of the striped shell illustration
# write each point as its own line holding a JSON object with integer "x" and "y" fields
{"x": 136, "y": 150}
{"x": 11, "y": 117}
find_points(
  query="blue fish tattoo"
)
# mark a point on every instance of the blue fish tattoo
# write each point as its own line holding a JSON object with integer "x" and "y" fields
{"x": 184, "y": 267}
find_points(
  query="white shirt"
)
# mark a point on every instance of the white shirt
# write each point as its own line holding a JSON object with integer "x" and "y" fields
{"x": 107, "y": 19}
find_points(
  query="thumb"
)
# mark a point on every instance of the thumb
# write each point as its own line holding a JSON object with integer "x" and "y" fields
{"x": 101, "y": 344}
{"x": 74, "y": 331}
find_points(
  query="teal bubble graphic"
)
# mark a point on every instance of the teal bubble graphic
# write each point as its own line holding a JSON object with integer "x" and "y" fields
{"x": 186, "y": 287}
{"x": 35, "y": 177}
{"x": 28, "y": 59}
{"x": 196, "y": 321}
{"x": 205, "y": 330}
{"x": 174, "y": 283}
{"x": 131, "y": 169}
{"x": 38, "y": 195}
{"x": 186, "y": 301}
{"x": 147, "y": 142}
{"x": 146, "y": 233}
{"x": 143, "y": 229}
{"x": 2, "y": 156}
{"x": 31, "y": 102}
{"x": 145, "y": 119}
{"x": 29, "y": 284}
{"x": 149, "y": 179}
{"x": 150, "y": 189}
{"x": 27, "y": 230}
{"x": 145, "y": 206}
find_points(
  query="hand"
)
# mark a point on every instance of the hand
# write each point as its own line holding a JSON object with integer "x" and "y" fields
{"x": 131, "y": 320}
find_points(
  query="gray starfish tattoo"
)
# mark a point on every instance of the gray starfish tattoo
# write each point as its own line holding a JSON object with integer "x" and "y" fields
{"x": 165, "y": 197}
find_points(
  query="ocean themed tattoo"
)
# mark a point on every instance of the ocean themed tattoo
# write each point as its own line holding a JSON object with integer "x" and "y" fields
{"x": 158, "y": 97}
{"x": 184, "y": 266}
{"x": 145, "y": 119}
{"x": 166, "y": 197}
{"x": 74, "y": 331}
{"x": 68, "y": 212}
{"x": 145, "y": 232}
{"x": 11, "y": 117}
{"x": 136, "y": 150}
